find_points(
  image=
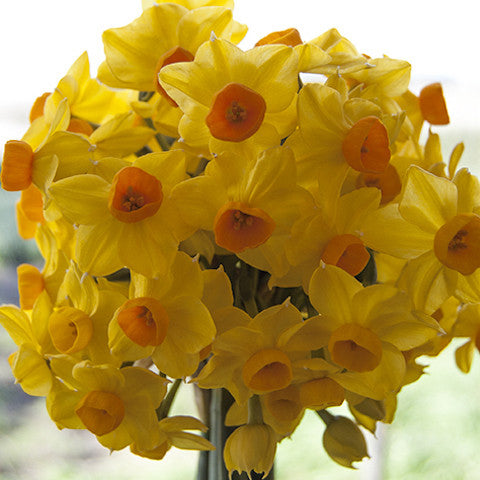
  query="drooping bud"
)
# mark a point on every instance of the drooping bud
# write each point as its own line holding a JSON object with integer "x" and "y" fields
{"x": 344, "y": 442}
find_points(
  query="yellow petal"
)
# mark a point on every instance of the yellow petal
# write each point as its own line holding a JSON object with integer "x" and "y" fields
{"x": 331, "y": 289}
{"x": 464, "y": 356}
{"x": 427, "y": 201}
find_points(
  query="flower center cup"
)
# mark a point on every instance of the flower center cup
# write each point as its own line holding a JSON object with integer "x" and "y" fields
{"x": 175, "y": 55}
{"x": 134, "y": 195}
{"x": 144, "y": 321}
{"x": 347, "y": 252}
{"x": 17, "y": 166}
{"x": 101, "y": 412}
{"x": 284, "y": 404}
{"x": 432, "y": 105}
{"x": 236, "y": 114}
{"x": 70, "y": 329}
{"x": 366, "y": 147}
{"x": 388, "y": 183}
{"x": 267, "y": 370}
{"x": 355, "y": 348}
{"x": 457, "y": 243}
{"x": 238, "y": 227}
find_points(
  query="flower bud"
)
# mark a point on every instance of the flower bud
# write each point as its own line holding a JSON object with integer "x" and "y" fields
{"x": 250, "y": 447}
{"x": 344, "y": 442}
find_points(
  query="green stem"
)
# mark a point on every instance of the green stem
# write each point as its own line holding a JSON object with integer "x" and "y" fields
{"x": 255, "y": 415}
{"x": 216, "y": 469}
{"x": 164, "y": 409}
{"x": 326, "y": 416}
{"x": 161, "y": 139}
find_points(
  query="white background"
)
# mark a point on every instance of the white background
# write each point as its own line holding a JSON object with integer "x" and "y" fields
{"x": 39, "y": 40}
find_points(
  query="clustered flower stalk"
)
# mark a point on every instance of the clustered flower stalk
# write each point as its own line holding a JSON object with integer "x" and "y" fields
{"x": 208, "y": 215}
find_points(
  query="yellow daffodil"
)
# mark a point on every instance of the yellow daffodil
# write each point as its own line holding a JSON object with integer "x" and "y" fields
{"x": 365, "y": 330}
{"x": 117, "y": 405}
{"x": 261, "y": 356}
{"x": 116, "y": 217}
{"x": 136, "y": 53}
{"x": 435, "y": 225}
{"x": 329, "y": 234}
{"x": 250, "y": 208}
{"x": 164, "y": 319}
{"x": 236, "y": 96}
{"x": 76, "y": 101}
{"x": 337, "y": 133}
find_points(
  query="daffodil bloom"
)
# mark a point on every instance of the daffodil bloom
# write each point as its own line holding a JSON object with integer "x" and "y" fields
{"x": 366, "y": 331}
{"x": 77, "y": 96}
{"x": 435, "y": 226}
{"x": 164, "y": 319}
{"x": 261, "y": 356}
{"x": 239, "y": 200}
{"x": 236, "y": 96}
{"x": 330, "y": 233}
{"x": 337, "y": 133}
{"x": 115, "y": 217}
{"x": 116, "y": 405}
{"x": 136, "y": 53}
{"x": 78, "y": 322}
{"x": 30, "y": 333}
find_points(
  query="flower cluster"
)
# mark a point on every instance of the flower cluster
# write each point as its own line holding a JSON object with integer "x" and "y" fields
{"x": 206, "y": 216}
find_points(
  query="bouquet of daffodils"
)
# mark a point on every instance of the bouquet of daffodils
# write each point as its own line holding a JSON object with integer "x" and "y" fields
{"x": 208, "y": 216}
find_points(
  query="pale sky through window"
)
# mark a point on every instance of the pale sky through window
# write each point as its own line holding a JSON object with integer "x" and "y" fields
{"x": 40, "y": 40}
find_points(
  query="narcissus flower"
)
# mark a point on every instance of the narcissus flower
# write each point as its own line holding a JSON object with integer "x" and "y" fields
{"x": 116, "y": 217}
{"x": 436, "y": 226}
{"x": 239, "y": 200}
{"x": 366, "y": 332}
{"x": 77, "y": 100}
{"x": 330, "y": 233}
{"x": 236, "y": 96}
{"x": 260, "y": 357}
{"x": 337, "y": 132}
{"x": 137, "y": 52}
{"x": 164, "y": 319}
{"x": 116, "y": 405}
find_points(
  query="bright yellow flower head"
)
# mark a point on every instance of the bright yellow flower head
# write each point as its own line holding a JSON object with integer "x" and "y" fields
{"x": 261, "y": 356}
{"x": 116, "y": 217}
{"x": 228, "y": 95}
{"x": 164, "y": 319}
{"x": 117, "y": 405}
{"x": 365, "y": 330}
{"x": 165, "y": 33}
{"x": 435, "y": 225}
{"x": 249, "y": 205}
{"x": 330, "y": 233}
{"x": 337, "y": 133}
